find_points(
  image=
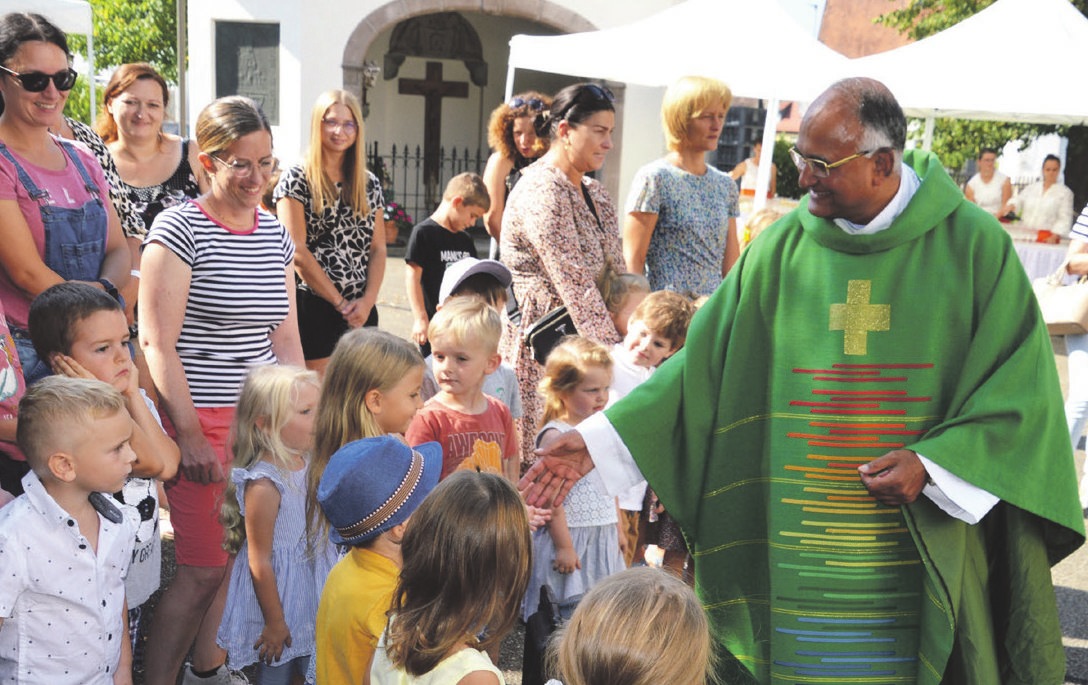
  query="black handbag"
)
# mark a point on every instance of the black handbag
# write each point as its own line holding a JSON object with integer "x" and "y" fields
{"x": 547, "y": 331}
{"x": 549, "y": 616}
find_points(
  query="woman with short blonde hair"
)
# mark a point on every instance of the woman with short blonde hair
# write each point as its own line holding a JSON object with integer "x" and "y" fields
{"x": 681, "y": 213}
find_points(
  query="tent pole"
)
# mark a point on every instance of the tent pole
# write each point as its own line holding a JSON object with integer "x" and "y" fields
{"x": 763, "y": 178}
{"x": 182, "y": 53}
{"x": 493, "y": 251}
{"x": 927, "y": 137}
{"x": 509, "y": 82}
{"x": 90, "y": 69}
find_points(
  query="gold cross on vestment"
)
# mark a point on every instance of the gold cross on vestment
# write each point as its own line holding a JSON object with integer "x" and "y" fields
{"x": 857, "y": 317}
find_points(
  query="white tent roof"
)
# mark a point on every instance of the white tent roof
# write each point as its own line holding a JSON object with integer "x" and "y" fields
{"x": 71, "y": 16}
{"x": 725, "y": 39}
{"x": 1016, "y": 60}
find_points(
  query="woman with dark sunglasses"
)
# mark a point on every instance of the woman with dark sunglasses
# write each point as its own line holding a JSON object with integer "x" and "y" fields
{"x": 514, "y": 146}
{"x": 59, "y": 223}
{"x": 558, "y": 232}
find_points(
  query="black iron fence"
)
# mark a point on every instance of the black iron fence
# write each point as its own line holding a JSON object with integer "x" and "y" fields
{"x": 401, "y": 173}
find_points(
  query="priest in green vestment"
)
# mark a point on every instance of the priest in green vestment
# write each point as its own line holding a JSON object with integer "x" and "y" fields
{"x": 863, "y": 438}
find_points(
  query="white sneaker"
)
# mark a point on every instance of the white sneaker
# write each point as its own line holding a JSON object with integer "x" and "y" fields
{"x": 224, "y": 676}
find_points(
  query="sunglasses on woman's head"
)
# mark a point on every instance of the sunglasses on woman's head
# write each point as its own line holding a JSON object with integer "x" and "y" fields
{"x": 534, "y": 104}
{"x": 599, "y": 91}
{"x": 36, "y": 82}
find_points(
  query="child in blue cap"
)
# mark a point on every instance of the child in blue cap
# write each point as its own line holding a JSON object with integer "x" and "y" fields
{"x": 368, "y": 491}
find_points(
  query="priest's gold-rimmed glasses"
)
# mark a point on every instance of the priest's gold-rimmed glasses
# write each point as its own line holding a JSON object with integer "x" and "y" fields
{"x": 820, "y": 168}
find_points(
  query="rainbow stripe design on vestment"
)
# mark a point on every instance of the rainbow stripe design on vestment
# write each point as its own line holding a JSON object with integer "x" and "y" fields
{"x": 846, "y": 576}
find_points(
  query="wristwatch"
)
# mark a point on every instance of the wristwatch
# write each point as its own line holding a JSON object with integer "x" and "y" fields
{"x": 111, "y": 290}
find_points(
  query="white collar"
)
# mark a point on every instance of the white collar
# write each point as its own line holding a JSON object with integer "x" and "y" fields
{"x": 908, "y": 186}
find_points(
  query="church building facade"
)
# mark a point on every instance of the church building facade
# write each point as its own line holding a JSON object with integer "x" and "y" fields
{"x": 429, "y": 72}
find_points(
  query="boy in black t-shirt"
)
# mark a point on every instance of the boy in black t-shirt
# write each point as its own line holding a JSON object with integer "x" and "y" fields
{"x": 438, "y": 242}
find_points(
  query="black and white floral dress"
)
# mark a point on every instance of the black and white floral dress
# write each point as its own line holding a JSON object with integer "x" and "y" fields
{"x": 178, "y": 189}
{"x": 339, "y": 239}
{"x": 131, "y": 223}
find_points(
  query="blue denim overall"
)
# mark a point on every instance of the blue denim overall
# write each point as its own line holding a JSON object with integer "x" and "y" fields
{"x": 75, "y": 244}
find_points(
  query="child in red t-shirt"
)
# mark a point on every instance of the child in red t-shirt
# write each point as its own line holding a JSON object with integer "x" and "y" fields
{"x": 475, "y": 431}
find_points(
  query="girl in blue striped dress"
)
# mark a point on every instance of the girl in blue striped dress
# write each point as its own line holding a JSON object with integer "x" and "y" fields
{"x": 272, "y": 601}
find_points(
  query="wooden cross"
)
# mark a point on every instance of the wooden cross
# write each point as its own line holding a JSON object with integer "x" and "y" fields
{"x": 433, "y": 89}
{"x": 857, "y": 317}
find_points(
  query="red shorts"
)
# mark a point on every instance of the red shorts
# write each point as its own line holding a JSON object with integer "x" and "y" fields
{"x": 194, "y": 507}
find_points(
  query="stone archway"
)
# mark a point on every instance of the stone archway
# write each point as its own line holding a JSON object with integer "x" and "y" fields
{"x": 391, "y": 13}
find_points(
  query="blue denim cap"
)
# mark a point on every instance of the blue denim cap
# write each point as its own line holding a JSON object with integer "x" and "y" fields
{"x": 374, "y": 484}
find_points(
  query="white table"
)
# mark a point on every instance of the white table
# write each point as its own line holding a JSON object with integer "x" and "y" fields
{"x": 1039, "y": 259}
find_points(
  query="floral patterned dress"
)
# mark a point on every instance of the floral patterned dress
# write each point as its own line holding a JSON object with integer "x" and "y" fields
{"x": 179, "y": 188}
{"x": 555, "y": 248}
{"x": 693, "y": 212}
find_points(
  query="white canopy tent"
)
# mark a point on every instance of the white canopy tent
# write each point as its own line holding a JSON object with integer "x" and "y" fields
{"x": 724, "y": 39}
{"x": 71, "y": 16}
{"x": 1027, "y": 54}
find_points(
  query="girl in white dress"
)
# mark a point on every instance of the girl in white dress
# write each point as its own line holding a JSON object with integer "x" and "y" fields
{"x": 582, "y": 542}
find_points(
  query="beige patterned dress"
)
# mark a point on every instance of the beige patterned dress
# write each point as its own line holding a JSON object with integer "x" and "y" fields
{"x": 555, "y": 248}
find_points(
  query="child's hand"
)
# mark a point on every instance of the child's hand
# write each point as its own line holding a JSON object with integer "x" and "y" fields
{"x": 63, "y": 365}
{"x": 419, "y": 331}
{"x": 566, "y": 560}
{"x": 270, "y": 644}
{"x": 537, "y": 516}
{"x": 623, "y": 541}
{"x": 132, "y": 390}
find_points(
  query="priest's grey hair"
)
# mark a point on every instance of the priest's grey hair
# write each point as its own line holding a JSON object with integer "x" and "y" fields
{"x": 879, "y": 113}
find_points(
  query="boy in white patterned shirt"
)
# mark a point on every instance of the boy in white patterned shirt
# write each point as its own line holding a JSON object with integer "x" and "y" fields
{"x": 64, "y": 547}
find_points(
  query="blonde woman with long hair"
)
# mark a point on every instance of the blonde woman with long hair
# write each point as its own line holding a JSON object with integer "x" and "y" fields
{"x": 332, "y": 207}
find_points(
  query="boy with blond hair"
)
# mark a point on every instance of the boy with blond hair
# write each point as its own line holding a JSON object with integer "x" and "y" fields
{"x": 79, "y": 331}
{"x": 487, "y": 280}
{"x": 438, "y": 242}
{"x": 65, "y": 548}
{"x": 656, "y": 330}
{"x": 475, "y": 430}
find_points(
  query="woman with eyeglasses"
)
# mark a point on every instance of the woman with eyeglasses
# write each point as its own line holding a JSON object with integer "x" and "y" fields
{"x": 681, "y": 213}
{"x": 332, "y": 207}
{"x": 217, "y": 298}
{"x": 59, "y": 224}
{"x": 514, "y": 146}
{"x": 558, "y": 231}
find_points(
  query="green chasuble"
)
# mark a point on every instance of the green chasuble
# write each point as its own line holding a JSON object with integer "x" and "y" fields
{"x": 821, "y": 351}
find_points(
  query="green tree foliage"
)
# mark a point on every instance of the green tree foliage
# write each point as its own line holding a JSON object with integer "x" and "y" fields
{"x": 957, "y": 140}
{"x": 788, "y": 177}
{"x": 127, "y": 31}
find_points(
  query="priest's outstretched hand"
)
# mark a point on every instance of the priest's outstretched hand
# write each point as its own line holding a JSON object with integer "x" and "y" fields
{"x": 896, "y": 478}
{"x": 559, "y": 464}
